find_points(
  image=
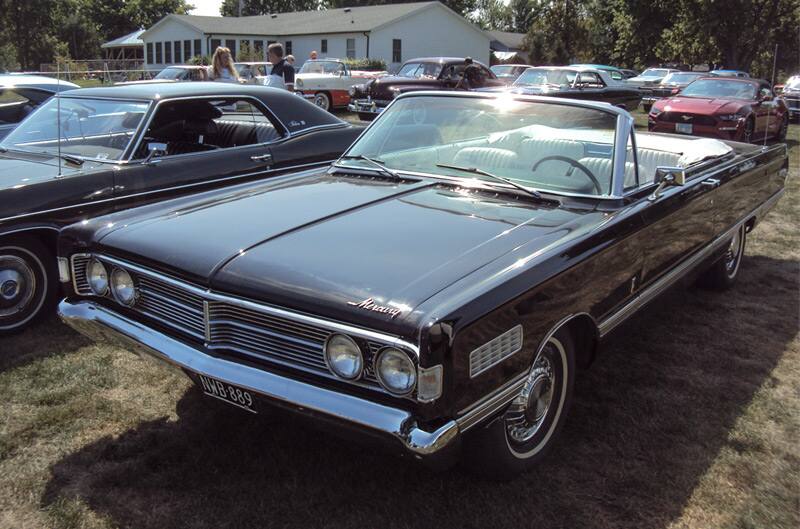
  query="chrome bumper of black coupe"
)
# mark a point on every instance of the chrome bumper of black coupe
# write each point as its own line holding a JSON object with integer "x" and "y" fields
{"x": 396, "y": 426}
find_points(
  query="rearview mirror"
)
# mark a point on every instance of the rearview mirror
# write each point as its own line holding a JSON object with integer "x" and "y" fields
{"x": 155, "y": 150}
{"x": 667, "y": 177}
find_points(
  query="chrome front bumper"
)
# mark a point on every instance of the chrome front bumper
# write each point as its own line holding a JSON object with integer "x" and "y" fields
{"x": 365, "y": 106}
{"x": 395, "y": 426}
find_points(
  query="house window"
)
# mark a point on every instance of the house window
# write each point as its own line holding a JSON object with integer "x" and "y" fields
{"x": 177, "y": 47}
{"x": 351, "y": 48}
{"x": 244, "y": 45}
{"x": 323, "y": 46}
{"x": 187, "y": 50}
{"x": 215, "y": 43}
{"x": 159, "y": 55}
{"x": 167, "y": 52}
{"x": 397, "y": 50}
{"x": 149, "y": 53}
{"x": 288, "y": 47}
{"x": 231, "y": 45}
{"x": 258, "y": 47}
{"x": 197, "y": 48}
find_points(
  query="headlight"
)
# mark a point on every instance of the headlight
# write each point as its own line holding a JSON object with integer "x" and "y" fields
{"x": 298, "y": 83}
{"x": 728, "y": 117}
{"x": 654, "y": 112}
{"x": 396, "y": 372}
{"x": 98, "y": 277}
{"x": 123, "y": 287}
{"x": 351, "y": 91}
{"x": 344, "y": 357}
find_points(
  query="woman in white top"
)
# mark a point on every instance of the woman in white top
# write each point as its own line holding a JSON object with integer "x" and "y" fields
{"x": 222, "y": 68}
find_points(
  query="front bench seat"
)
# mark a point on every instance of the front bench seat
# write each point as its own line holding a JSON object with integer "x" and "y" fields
{"x": 489, "y": 159}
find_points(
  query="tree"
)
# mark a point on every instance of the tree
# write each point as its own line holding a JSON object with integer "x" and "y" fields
{"x": 522, "y": 15}
{"x": 230, "y": 8}
{"x": 559, "y": 33}
{"x": 462, "y": 7}
{"x": 492, "y": 15}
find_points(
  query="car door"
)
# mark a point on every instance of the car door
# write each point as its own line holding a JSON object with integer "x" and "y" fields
{"x": 204, "y": 148}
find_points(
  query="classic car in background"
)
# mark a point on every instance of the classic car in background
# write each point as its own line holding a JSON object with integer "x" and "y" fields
{"x": 627, "y": 74}
{"x": 508, "y": 73}
{"x": 253, "y": 72}
{"x": 723, "y": 107}
{"x": 651, "y": 76}
{"x": 615, "y": 73}
{"x": 440, "y": 284}
{"x": 791, "y": 95}
{"x": 174, "y": 74}
{"x": 435, "y": 73}
{"x": 327, "y": 82}
{"x": 574, "y": 83}
{"x": 729, "y": 73}
{"x": 669, "y": 86}
{"x": 124, "y": 146}
{"x": 21, "y": 94}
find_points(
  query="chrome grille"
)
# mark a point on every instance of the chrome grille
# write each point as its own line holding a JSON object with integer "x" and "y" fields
{"x": 171, "y": 305}
{"x": 79, "y": 280}
{"x": 495, "y": 351}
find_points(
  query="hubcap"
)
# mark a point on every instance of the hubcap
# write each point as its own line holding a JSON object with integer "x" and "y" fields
{"x": 321, "y": 101}
{"x": 732, "y": 255}
{"x": 17, "y": 285}
{"x": 527, "y": 412}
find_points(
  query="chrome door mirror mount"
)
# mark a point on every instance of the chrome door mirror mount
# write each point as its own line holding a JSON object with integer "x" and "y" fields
{"x": 155, "y": 150}
{"x": 668, "y": 177}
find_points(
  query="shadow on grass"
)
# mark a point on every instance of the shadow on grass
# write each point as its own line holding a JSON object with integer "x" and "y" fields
{"x": 42, "y": 339}
{"x": 648, "y": 421}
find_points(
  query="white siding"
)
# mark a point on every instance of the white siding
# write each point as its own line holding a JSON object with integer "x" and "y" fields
{"x": 171, "y": 31}
{"x": 432, "y": 33}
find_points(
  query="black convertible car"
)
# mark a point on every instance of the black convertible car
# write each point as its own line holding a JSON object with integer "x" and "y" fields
{"x": 440, "y": 284}
{"x": 117, "y": 147}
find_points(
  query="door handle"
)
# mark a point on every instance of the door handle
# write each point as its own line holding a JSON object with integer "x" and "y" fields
{"x": 267, "y": 158}
{"x": 710, "y": 183}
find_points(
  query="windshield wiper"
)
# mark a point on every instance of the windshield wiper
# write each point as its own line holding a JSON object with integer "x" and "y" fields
{"x": 379, "y": 164}
{"x": 474, "y": 170}
{"x": 67, "y": 158}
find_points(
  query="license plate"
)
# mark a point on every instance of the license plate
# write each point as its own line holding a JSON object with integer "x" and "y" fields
{"x": 683, "y": 128}
{"x": 241, "y": 398}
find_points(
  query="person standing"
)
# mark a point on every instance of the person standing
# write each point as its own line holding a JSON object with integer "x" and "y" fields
{"x": 282, "y": 74}
{"x": 222, "y": 68}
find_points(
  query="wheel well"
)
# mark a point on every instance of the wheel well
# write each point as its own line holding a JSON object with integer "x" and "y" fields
{"x": 584, "y": 331}
{"x": 46, "y": 236}
{"x": 750, "y": 224}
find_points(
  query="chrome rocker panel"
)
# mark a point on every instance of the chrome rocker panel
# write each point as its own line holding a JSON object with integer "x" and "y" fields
{"x": 397, "y": 427}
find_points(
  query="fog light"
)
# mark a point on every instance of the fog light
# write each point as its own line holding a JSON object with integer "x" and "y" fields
{"x": 344, "y": 357}
{"x": 97, "y": 276}
{"x": 63, "y": 269}
{"x": 396, "y": 372}
{"x": 123, "y": 287}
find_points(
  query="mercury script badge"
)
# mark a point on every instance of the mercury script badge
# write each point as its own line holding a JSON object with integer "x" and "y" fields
{"x": 369, "y": 304}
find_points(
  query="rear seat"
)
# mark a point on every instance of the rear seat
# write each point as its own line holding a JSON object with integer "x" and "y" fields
{"x": 232, "y": 133}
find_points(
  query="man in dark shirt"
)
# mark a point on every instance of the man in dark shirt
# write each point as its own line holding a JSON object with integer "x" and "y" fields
{"x": 282, "y": 73}
{"x": 472, "y": 76}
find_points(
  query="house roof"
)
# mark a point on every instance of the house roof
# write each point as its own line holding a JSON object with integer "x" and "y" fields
{"x": 129, "y": 40}
{"x": 343, "y": 20}
{"x": 508, "y": 39}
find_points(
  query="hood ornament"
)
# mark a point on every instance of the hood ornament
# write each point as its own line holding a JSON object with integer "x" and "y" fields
{"x": 686, "y": 117}
{"x": 369, "y": 304}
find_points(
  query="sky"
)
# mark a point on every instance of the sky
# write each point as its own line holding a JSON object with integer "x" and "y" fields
{"x": 205, "y": 7}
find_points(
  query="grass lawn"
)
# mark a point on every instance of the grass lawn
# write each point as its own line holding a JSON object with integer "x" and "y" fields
{"x": 689, "y": 419}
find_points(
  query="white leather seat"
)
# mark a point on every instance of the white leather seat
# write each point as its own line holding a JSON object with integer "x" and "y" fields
{"x": 649, "y": 159}
{"x": 601, "y": 168}
{"x": 489, "y": 159}
{"x": 534, "y": 149}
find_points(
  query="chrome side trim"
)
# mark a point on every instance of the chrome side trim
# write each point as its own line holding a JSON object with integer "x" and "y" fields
{"x": 667, "y": 280}
{"x": 490, "y": 404}
{"x": 208, "y": 295}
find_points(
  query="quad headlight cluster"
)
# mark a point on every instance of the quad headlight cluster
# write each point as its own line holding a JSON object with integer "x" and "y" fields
{"x": 118, "y": 283}
{"x": 395, "y": 370}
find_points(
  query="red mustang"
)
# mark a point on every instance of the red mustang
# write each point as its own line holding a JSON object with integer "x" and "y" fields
{"x": 728, "y": 108}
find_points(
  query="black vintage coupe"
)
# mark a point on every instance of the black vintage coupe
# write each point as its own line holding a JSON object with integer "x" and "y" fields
{"x": 431, "y": 73}
{"x": 440, "y": 284}
{"x": 593, "y": 84}
{"x": 118, "y": 147}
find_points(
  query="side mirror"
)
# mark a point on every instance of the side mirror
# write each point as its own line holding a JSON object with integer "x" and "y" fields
{"x": 668, "y": 177}
{"x": 155, "y": 150}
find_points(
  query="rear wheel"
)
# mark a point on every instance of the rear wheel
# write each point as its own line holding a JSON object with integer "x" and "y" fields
{"x": 28, "y": 283}
{"x": 723, "y": 273}
{"x": 525, "y": 432}
{"x": 322, "y": 100}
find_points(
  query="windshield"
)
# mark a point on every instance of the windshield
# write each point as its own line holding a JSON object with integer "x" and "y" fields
{"x": 419, "y": 70}
{"x": 720, "y": 88}
{"x": 92, "y": 128}
{"x": 793, "y": 84}
{"x": 540, "y": 76}
{"x": 654, "y": 72}
{"x": 681, "y": 78}
{"x": 554, "y": 147}
{"x": 327, "y": 67}
{"x": 506, "y": 70}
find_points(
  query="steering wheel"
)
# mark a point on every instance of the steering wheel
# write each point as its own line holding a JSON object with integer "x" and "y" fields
{"x": 574, "y": 163}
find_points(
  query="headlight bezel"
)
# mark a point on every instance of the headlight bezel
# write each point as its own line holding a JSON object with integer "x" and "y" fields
{"x": 379, "y": 375}
{"x": 89, "y": 277}
{"x": 330, "y": 364}
{"x": 728, "y": 117}
{"x": 114, "y": 291}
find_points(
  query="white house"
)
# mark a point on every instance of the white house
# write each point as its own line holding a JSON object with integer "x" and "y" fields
{"x": 392, "y": 32}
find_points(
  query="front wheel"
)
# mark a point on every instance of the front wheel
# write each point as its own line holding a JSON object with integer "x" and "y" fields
{"x": 525, "y": 432}
{"x": 28, "y": 284}
{"x": 322, "y": 100}
{"x": 749, "y": 130}
{"x": 723, "y": 273}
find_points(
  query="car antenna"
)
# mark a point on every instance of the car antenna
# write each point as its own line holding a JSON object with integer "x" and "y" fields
{"x": 771, "y": 87}
{"x": 58, "y": 112}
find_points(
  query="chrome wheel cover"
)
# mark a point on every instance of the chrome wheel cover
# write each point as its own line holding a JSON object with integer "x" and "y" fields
{"x": 732, "y": 255}
{"x": 17, "y": 285}
{"x": 528, "y": 410}
{"x": 322, "y": 101}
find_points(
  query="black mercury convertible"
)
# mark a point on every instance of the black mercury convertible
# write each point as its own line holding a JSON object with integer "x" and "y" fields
{"x": 439, "y": 285}
{"x": 129, "y": 145}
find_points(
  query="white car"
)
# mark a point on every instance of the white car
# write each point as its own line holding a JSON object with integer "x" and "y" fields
{"x": 327, "y": 82}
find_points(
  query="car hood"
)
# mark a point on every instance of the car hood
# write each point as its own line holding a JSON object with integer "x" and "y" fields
{"x": 701, "y": 105}
{"x": 325, "y": 243}
{"x": 18, "y": 170}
